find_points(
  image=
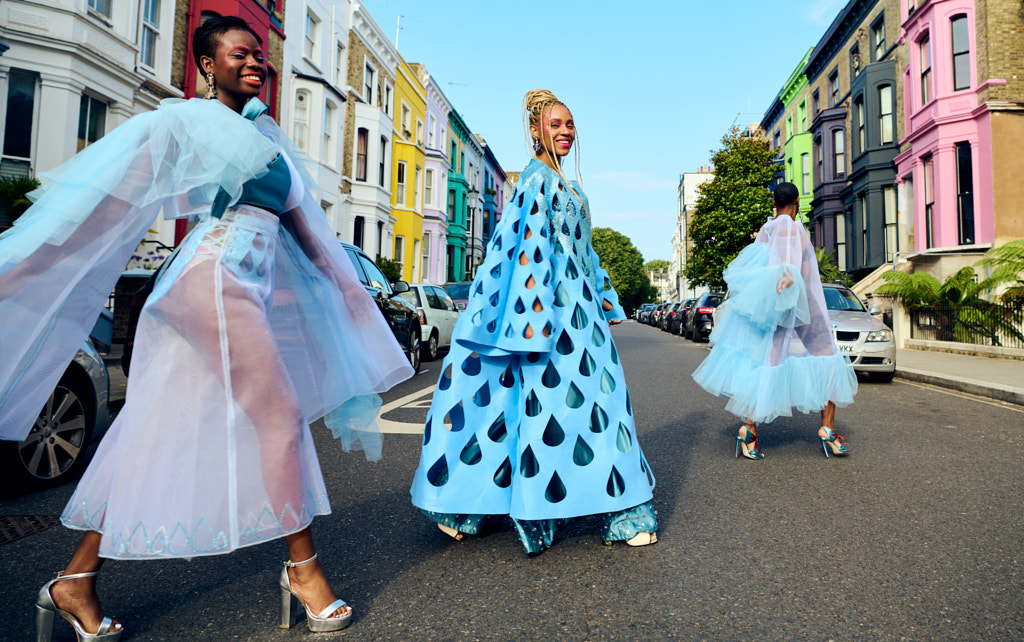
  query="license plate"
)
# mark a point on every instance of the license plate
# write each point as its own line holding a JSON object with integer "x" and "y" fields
{"x": 845, "y": 349}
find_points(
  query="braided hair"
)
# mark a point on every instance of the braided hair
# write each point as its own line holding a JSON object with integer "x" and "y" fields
{"x": 535, "y": 103}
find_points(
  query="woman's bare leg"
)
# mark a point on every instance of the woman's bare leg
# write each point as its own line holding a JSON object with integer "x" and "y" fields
{"x": 78, "y": 597}
{"x": 308, "y": 581}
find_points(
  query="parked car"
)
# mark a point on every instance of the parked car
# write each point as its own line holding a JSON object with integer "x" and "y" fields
{"x": 679, "y": 318}
{"x": 640, "y": 314}
{"x": 75, "y": 415}
{"x": 666, "y": 317}
{"x": 459, "y": 292}
{"x": 400, "y": 315}
{"x": 437, "y": 313}
{"x": 699, "y": 321}
{"x": 866, "y": 340}
{"x": 652, "y": 318}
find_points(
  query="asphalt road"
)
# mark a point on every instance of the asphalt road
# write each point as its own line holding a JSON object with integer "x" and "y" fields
{"x": 917, "y": 536}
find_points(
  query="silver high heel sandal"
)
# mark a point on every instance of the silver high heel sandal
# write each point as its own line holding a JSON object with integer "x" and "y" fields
{"x": 321, "y": 623}
{"x": 46, "y": 609}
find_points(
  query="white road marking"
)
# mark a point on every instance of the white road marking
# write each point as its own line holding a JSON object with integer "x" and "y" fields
{"x": 401, "y": 427}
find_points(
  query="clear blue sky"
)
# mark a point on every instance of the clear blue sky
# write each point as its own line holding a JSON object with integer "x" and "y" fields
{"x": 653, "y": 85}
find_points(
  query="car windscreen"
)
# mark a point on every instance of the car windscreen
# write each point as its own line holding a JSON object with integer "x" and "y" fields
{"x": 842, "y": 299}
{"x": 712, "y": 301}
{"x": 458, "y": 290}
{"x": 412, "y": 296}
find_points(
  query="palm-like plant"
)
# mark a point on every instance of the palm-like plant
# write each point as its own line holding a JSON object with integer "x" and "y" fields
{"x": 960, "y": 312}
{"x": 827, "y": 268}
{"x": 1007, "y": 265}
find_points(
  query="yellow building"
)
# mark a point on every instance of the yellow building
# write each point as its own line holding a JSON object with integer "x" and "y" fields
{"x": 408, "y": 158}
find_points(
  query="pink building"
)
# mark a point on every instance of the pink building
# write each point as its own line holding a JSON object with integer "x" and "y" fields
{"x": 955, "y": 164}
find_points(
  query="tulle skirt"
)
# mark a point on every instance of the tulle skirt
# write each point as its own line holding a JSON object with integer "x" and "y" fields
{"x": 212, "y": 450}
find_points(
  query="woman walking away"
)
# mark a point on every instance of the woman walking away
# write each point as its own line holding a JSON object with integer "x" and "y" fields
{"x": 773, "y": 350}
{"x": 212, "y": 450}
{"x": 531, "y": 417}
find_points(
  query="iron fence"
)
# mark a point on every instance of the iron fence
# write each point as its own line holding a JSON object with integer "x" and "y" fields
{"x": 986, "y": 323}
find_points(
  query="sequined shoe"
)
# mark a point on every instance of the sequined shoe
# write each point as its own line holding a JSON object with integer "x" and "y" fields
{"x": 318, "y": 623}
{"x": 46, "y": 609}
{"x": 749, "y": 451}
{"x": 833, "y": 441}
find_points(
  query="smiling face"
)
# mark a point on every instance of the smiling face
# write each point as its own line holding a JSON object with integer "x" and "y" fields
{"x": 556, "y": 132}
{"x": 238, "y": 67}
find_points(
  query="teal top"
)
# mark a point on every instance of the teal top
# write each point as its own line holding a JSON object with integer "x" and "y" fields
{"x": 268, "y": 192}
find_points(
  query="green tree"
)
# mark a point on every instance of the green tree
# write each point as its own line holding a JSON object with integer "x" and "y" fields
{"x": 1007, "y": 265}
{"x": 657, "y": 265}
{"x": 960, "y": 312}
{"x": 389, "y": 268}
{"x": 828, "y": 271}
{"x": 731, "y": 207}
{"x": 13, "y": 201}
{"x": 625, "y": 266}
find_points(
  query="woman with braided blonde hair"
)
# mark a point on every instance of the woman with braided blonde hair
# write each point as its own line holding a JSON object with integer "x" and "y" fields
{"x": 531, "y": 417}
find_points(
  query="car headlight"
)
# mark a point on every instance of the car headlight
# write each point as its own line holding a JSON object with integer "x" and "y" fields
{"x": 880, "y": 335}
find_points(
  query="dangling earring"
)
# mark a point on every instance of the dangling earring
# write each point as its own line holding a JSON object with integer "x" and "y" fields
{"x": 211, "y": 91}
{"x": 536, "y": 146}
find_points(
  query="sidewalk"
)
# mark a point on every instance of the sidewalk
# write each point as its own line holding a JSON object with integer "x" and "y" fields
{"x": 1001, "y": 379}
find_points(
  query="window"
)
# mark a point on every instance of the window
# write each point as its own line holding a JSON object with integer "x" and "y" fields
{"x": 400, "y": 254}
{"x": 776, "y": 141}
{"x": 150, "y": 32}
{"x": 789, "y": 127}
{"x": 833, "y": 88}
{"x": 889, "y": 207}
{"x": 819, "y": 155}
{"x": 100, "y": 6}
{"x": 339, "y": 65}
{"x": 961, "y": 54}
{"x": 357, "y": 232}
{"x": 862, "y": 205}
{"x": 486, "y": 231}
{"x": 929, "y": 200}
{"x": 387, "y": 99}
{"x": 965, "y": 193}
{"x": 858, "y": 123}
{"x": 328, "y": 153}
{"x": 300, "y": 126}
{"x": 369, "y": 81}
{"x": 21, "y": 98}
{"x": 925, "y": 51}
{"x": 416, "y": 190}
{"x": 805, "y": 168}
{"x": 451, "y": 206}
{"x": 426, "y": 256}
{"x": 885, "y": 116}
{"x": 406, "y": 120}
{"x": 431, "y": 124}
{"x": 802, "y": 111}
{"x": 462, "y": 163}
{"x": 382, "y": 159}
{"x": 92, "y": 120}
{"x": 361, "y": 145}
{"x": 841, "y": 241}
{"x": 419, "y": 132}
{"x": 854, "y": 61}
{"x": 400, "y": 185}
{"x": 878, "y": 38}
{"x": 452, "y": 158}
{"x": 428, "y": 188}
{"x": 838, "y": 153}
{"x": 815, "y": 104}
{"x": 311, "y": 46}
{"x": 380, "y": 237}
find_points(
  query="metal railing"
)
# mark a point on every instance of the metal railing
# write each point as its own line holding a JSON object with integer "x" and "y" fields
{"x": 988, "y": 324}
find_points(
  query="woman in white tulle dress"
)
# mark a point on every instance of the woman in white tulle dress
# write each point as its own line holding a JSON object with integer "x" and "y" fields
{"x": 773, "y": 350}
{"x": 257, "y": 327}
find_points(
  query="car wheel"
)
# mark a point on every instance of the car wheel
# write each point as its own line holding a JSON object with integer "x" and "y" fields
{"x": 55, "y": 450}
{"x": 881, "y": 377}
{"x": 430, "y": 349}
{"x": 414, "y": 348}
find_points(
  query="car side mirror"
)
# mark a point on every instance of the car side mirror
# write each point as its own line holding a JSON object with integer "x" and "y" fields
{"x": 460, "y": 306}
{"x": 400, "y": 286}
{"x": 873, "y": 310}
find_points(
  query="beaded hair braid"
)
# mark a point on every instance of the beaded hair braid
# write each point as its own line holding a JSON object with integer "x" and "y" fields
{"x": 534, "y": 104}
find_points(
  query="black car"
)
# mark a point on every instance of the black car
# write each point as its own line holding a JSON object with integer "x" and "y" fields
{"x": 400, "y": 315}
{"x": 665, "y": 323}
{"x": 679, "y": 318}
{"x": 699, "y": 321}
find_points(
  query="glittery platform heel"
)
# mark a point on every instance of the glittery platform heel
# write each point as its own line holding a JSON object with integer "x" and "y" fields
{"x": 320, "y": 623}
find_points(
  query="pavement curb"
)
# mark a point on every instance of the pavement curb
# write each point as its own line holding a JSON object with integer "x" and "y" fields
{"x": 987, "y": 389}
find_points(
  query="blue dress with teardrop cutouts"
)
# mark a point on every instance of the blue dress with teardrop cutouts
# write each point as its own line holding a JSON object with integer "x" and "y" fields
{"x": 531, "y": 417}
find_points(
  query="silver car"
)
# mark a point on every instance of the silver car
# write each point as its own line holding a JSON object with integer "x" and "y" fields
{"x": 438, "y": 314}
{"x": 867, "y": 341}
